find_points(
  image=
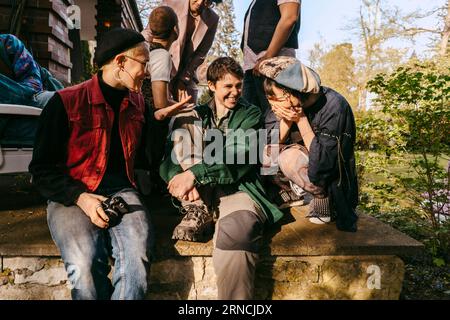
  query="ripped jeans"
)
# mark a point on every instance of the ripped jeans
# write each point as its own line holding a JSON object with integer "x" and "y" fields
{"x": 85, "y": 250}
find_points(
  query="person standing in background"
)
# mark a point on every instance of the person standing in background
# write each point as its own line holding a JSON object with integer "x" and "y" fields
{"x": 198, "y": 25}
{"x": 271, "y": 29}
{"x": 161, "y": 31}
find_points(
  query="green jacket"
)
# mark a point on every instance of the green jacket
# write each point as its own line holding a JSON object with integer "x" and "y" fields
{"x": 245, "y": 176}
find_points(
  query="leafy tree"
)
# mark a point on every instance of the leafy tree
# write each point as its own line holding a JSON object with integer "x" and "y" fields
{"x": 374, "y": 29}
{"x": 337, "y": 70}
{"x": 378, "y": 132}
{"x": 416, "y": 96}
{"x": 145, "y": 7}
{"x": 445, "y": 33}
{"x": 227, "y": 40}
{"x": 316, "y": 54}
{"x": 441, "y": 31}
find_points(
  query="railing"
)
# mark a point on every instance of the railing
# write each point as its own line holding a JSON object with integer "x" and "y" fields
{"x": 16, "y": 160}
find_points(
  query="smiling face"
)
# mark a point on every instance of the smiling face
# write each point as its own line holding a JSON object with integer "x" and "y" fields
{"x": 133, "y": 67}
{"x": 227, "y": 90}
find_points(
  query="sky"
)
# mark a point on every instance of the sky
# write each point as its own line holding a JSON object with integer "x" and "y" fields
{"x": 324, "y": 20}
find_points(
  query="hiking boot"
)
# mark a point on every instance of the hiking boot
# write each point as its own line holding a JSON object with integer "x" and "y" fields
{"x": 319, "y": 211}
{"x": 197, "y": 224}
{"x": 288, "y": 199}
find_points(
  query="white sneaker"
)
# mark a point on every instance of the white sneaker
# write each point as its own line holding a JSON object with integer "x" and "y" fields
{"x": 319, "y": 212}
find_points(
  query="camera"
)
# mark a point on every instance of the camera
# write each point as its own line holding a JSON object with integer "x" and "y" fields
{"x": 115, "y": 208}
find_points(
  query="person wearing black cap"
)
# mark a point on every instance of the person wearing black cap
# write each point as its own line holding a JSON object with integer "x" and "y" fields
{"x": 86, "y": 148}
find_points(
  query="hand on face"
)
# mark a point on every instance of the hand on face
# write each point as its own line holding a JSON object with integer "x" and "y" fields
{"x": 285, "y": 105}
{"x": 290, "y": 114}
{"x": 284, "y": 109}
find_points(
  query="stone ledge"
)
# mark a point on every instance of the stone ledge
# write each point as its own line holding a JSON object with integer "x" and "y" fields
{"x": 25, "y": 233}
{"x": 193, "y": 278}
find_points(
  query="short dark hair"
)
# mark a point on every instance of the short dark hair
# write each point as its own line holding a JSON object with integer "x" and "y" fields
{"x": 268, "y": 89}
{"x": 222, "y": 66}
{"x": 162, "y": 21}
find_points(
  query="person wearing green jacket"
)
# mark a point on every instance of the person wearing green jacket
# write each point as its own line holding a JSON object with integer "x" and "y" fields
{"x": 224, "y": 181}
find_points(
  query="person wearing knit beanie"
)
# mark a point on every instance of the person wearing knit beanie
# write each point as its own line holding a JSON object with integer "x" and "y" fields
{"x": 88, "y": 143}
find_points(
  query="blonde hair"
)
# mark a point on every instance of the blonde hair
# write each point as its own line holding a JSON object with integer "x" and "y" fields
{"x": 140, "y": 47}
{"x": 133, "y": 51}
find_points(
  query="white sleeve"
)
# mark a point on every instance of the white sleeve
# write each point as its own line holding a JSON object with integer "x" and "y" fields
{"x": 160, "y": 65}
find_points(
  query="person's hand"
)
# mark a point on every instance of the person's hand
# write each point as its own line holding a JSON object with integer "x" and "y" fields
{"x": 174, "y": 109}
{"x": 181, "y": 184}
{"x": 256, "y": 72}
{"x": 183, "y": 95}
{"x": 192, "y": 195}
{"x": 289, "y": 114}
{"x": 91, "y": 205}
{"x": 181, "y": 90}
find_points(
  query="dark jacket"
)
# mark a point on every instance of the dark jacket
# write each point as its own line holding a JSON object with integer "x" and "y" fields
{"x": 264, "y": 18}
{"x": 332, "y": 162}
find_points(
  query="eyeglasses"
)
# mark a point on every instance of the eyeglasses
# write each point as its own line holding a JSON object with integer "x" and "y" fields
{"x": 282, "y": 98}
{"x": 144, "y": 63}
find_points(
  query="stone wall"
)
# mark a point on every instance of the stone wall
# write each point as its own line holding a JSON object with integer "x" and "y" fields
{"x": 288, "y": 278}
{"x": 33, "y": 279}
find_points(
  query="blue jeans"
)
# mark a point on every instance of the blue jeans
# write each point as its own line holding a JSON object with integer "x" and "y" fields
{"x": 12, "y": 92}
{"x": 85, "y": 250}
{"x": 41, "y": 99}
